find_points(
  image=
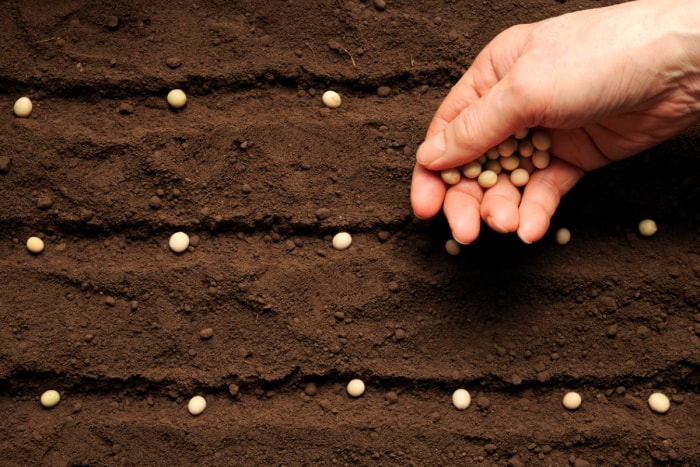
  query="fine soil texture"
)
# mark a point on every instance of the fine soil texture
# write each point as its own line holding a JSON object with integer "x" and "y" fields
{"x": 262, "y": 316}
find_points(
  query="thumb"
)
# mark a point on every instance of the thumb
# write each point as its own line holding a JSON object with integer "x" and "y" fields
{"x": 483, "y": 124}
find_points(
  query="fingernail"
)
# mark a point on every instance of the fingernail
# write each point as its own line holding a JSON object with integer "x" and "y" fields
{"x": 431, "y": 149}
{"x": 491, "y": 220}
{"x": 520, "y": 234}
{"x": 461, "y": 243}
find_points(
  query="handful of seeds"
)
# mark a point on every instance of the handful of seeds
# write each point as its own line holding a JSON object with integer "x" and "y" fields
{"x": 519, "y": 156}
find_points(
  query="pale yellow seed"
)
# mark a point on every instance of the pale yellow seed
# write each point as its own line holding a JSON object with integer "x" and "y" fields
{"x": 461, "y": 399}
{"x": 571, "y": 400}
{"x": 522, "y": 134}
{"x": 541, "y": 140}
{"x": 452, "y": 247}
{"x": 35, "y": 245}
{"x": 23, "y": 107}
{"x": 472, "y": 169}
{"x": 331, "y": 99}
{"x": 525, "y": 148}
{"x": 658, "y": 402}
{"x": 451, "y": 176}
{"x": 487, "y": 178}
{"x": 508, "y": 147}
{"x": 540, "y": 159}
{"x": 50, "y": 398}
{"x": 356, "y": 388}
{"x": 563, "y": 236}
{"x": 647, "y": 227}
{"x": 509, "y": 163}
{"x": 519, "y": 177}
{"x": 177, "y": 98}
{"x": 494, "y": 166}
{"x": 492, "y": 154}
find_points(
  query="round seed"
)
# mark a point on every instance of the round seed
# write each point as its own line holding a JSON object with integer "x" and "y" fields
{"x": 541, "y": 159}
{"x": 472, "y": 169}
{"x": 509, "y": 163}
{"x": 647, "y": 227}
{"x": 541, "y": 140}
{"x": 487, "y": 178}
{"x": 519, "y": 177}
{"x": 451, "y": 176}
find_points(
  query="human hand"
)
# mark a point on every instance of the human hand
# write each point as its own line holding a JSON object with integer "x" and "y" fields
{"x": 606, "y": 83}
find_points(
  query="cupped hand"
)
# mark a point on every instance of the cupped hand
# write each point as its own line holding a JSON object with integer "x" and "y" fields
{"x": 606, "y": 83}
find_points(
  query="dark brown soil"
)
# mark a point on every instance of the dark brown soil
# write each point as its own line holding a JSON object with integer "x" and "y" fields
{"x": 261, "y": 175}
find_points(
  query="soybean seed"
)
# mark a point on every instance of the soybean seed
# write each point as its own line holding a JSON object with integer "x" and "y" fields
{"x": 541, "y": 159}
{"x": 451, "y": 176}
{"x": 541, "y": 140}
{"x": 519, "y": 177}
{"x": 487, "y": 178}
{"x": 471, "y": 169}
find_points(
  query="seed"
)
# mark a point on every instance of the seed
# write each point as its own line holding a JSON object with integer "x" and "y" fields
{"x": 509, "y": 163}
{"x": 659, "y": 403}
{"x": 451, "y": 176}
{"x": 331, "y": 99}
{"x": 541, "y": 140}
{"x": 197, "y": 405}
{"x": 563, "y": 236}
{"x": 494, "y": 166}
{"x": 507, "y": 147}
{"x": 23, "y": 107}
{"x": 35, "y": 245}
{"x": 342, "y": 241}
{"x": 522, "y": 134}
{"x": 471, "y": 169}
{"x": 452, "y": 247}
{"x": 179, "y": 242}
{"x": 356, "y": 388}
{"x": 519, "y": 177}
{"x": 177, "y": 98}
{"x": 492, "y": 154}
{"x": 525, "y": 148}
{"x": 50, "y": 398}
{"x": 487, "y": 178}
{"x": 540, "y": 159}
{"x": 461, "y": 399}
{"x": 647, "y": 227}
{"x": 571, "y": 400}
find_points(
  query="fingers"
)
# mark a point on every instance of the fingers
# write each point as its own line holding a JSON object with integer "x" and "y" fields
{"x": 427, "y": 192}
{"x": 462, "y": 205}
{"x": 499, "y": 207}
{"x": 541, "y": 198}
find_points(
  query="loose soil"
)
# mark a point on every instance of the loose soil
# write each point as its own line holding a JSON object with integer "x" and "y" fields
{"x": 262, "y": 316}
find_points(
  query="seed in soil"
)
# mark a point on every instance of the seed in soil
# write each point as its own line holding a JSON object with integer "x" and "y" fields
{"x": 571, "y": 400}
{"x": 659, "y": 403}
{"x": 356, "y": 388}
{"x": 177, "y": 98}
{"x": 342, "y": 241}
{"x": 35, "y": 245}
{"x": 50, "y": 398}
{"x": 461, "y": 399}
{"x": 179, "y": 241}
{"x": 197, "y": 405}
{"x": 331, "y": 99}
{"x": 23, "y": 107}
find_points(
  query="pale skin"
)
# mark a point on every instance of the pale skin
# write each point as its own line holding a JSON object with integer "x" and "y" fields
{"x": 606, "y": 83}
